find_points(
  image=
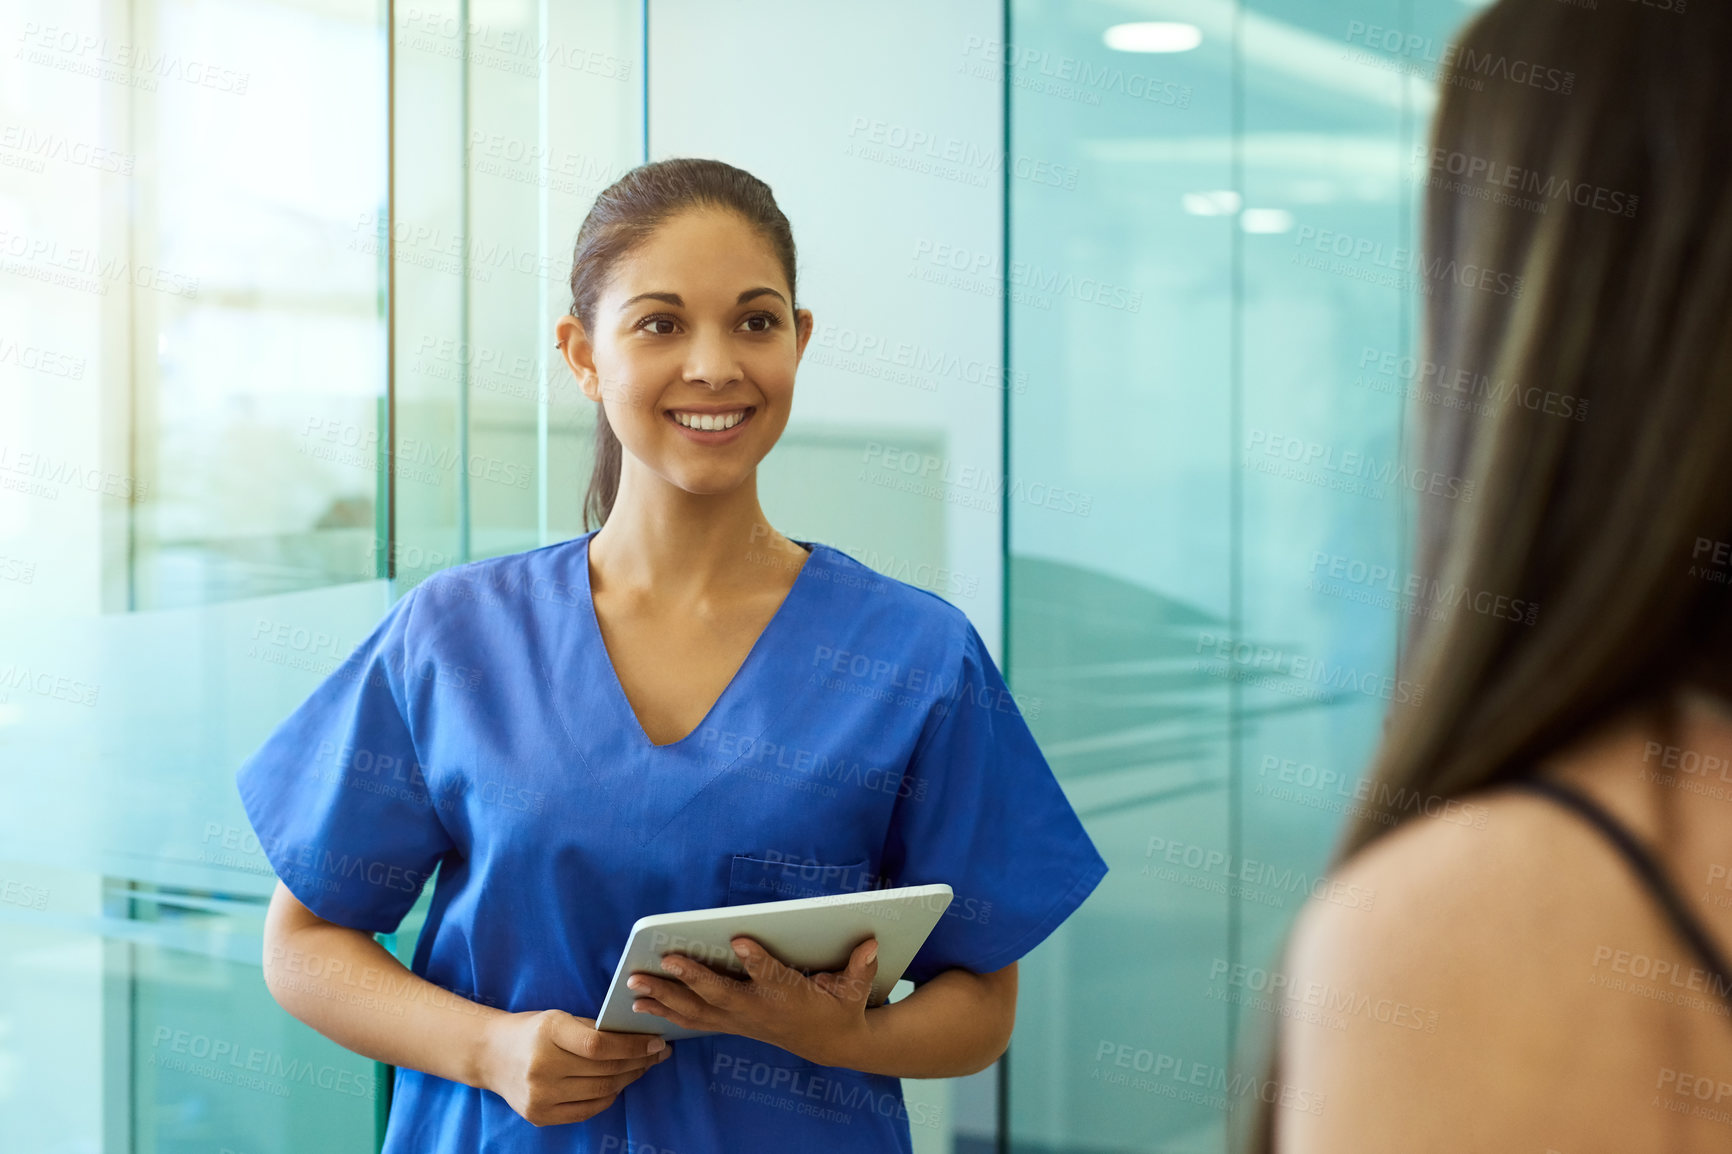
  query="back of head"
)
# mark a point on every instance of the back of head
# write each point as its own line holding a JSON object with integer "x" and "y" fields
{"x": 1601, "y": 462}
{"x": 1578, "y": 248}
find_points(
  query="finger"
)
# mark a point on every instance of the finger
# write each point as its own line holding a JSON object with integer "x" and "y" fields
{"x": 856, "y": 981}
{"x": 566, "y": 1112}
{"x": 691, "y": 1012}
{"x": 584, "y": 1088}
{"x": 577, "y": 1067}
{"x": 579, "y": 1036}
{"x": 695, "y": 980}
{"x": 761, "y": 966}
{"x": 674, "y": 995}
{"x": 684, "y": 1021}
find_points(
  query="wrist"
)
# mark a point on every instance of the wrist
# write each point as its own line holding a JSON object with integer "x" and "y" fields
{"x": 851, "y": 1047}
{"x": 480, "y": 1057}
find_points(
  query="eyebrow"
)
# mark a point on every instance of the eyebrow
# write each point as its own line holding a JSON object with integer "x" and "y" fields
{"x": 679, "y": 302}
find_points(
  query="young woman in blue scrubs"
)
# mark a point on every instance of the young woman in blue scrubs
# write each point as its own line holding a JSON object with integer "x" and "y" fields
{"x": 682, "y": 709}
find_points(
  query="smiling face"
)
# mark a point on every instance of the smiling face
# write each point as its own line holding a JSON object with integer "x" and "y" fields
{"x": 693, "y": 353}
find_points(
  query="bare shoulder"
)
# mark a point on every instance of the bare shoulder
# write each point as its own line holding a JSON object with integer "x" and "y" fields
{"x": 1488, "y": 874}
{"x": 1487, "y": 930}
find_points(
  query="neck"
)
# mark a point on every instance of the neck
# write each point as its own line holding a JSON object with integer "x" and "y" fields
{"x": 659, "y": 536}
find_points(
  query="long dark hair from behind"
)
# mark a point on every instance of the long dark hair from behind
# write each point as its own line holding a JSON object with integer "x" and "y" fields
{"x": 625, "y": 215}
{"x": 1608, "y": 522}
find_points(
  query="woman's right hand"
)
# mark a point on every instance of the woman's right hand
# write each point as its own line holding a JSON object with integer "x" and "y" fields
{"x": 554, "y": 1068}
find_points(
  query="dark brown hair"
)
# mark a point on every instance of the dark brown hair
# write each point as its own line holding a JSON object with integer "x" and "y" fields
{"x": 1625, "y": 307}
{"x": 625, "y": 215}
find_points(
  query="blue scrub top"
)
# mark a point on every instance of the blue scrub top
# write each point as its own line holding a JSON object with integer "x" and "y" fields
{"x": 480, "y": 730}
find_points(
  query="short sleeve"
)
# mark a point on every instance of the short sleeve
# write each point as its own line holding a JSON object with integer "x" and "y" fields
{"x": 984, "y": 814}
{"x": 337, "y": 796}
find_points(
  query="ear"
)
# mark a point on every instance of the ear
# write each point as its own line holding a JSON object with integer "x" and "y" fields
{"x": 803, "y": 325}
{"x": 579, "y": 355}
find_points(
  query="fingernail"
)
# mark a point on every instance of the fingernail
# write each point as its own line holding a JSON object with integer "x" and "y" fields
{"x": 740, "y": 949}
{"x": 656, "y": 1045}
{"x": 871, "y": 953}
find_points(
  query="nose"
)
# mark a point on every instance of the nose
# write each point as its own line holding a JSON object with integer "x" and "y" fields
{"x": 711, "y": 360}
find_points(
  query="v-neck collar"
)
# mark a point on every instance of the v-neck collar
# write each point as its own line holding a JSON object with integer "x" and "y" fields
{"x": 765, "y": 642}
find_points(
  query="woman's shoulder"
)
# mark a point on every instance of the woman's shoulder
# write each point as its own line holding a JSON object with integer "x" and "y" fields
{"x": 1515, "y": 935}
{"x": 1484, "y": 880}
{"x": 899, "y": 599}
{"x": 550, "y": 574}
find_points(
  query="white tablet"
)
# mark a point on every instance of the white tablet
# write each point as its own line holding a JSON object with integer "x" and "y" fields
{"x": 811, "y": 935}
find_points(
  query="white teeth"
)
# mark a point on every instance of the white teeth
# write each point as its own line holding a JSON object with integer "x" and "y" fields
{"x": 710, "y": 422}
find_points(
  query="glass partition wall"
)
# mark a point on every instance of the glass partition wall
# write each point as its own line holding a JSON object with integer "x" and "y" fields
{"x": 277, "y": 281}
{"x": 1211, "y": 631}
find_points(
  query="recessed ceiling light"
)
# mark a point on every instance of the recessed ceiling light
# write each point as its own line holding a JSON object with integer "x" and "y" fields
{"x": 1153, "y": 36}
{"x": 1265, "y": 220}
{"x": 1224, "y": 202}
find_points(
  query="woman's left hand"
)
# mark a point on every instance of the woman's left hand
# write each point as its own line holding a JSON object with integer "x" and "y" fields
{"x": 816, "y": 1017}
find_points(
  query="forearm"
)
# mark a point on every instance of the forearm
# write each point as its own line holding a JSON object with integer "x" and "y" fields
{"x": 348, "y": 987}
{"x": 958, "y": 1023}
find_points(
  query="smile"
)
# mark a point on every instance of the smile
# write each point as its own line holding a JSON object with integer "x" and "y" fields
{"x": 710, "y": 422}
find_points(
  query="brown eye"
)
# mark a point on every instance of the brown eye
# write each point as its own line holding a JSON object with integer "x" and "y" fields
{"x": 657, "y": 320}
{"x": 770, "y": 321}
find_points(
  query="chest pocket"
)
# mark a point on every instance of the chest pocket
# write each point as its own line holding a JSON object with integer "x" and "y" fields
{"x": 773, "y": 878}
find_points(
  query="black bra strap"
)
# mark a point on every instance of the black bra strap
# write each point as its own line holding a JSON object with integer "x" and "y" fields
{"x": 1648, "y": 870}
